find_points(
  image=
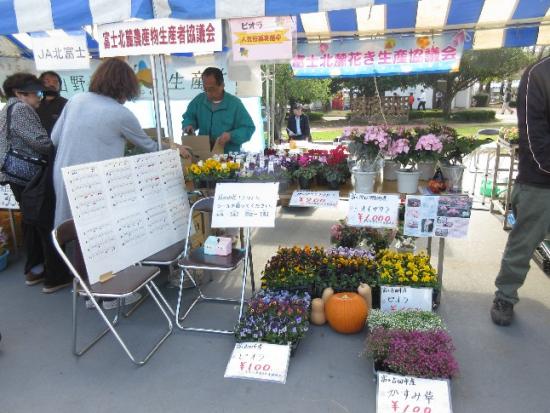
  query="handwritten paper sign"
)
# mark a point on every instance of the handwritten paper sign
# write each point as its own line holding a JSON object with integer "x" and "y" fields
{"x": 245, "y": 205}
{"x": 159, "y": 36}
{"x": 316, "y": 199}
{"x": 7, "y": 199}
{"x": 259, "y": 361}
{"x": 126, "y": 209}
{"x": 261, "y": 38}
{"x": 440, "y": 216}
{"x": 394, "y": 298}
{"x": 373, "y": 210}
{"x": 405, "y": 394}
{"x": 60, "y": 52}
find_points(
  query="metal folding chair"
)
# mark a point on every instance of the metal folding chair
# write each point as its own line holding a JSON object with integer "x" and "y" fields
{"x": 197, "y": 259}
{"x": 123, "y": 284}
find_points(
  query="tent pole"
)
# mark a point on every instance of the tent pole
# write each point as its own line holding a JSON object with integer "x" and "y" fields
{"x": 273, "y": 114}
{"x": 166, "y": 95}
{"x": 156, "y": 99}
{"x": 267, "y": 105}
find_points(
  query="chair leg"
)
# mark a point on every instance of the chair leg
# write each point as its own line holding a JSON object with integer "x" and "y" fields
{"x": 80, "y": 352}
{"x": 154, "y": 292}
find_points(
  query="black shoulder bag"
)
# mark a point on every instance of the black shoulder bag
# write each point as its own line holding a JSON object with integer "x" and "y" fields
{"x": 19, "y": 165}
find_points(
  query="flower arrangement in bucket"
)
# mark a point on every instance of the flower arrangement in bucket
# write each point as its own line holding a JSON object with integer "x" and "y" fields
{"x": 4, "y": 252}
{"x": 367, "y": 148}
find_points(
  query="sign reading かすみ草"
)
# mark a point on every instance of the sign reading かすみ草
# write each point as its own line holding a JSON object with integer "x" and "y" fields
{"x": 405, "y": 394}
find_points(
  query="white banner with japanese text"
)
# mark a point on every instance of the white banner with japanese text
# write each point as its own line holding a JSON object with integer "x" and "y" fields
{"x": 389, "y": 56}
{"x": 160, "y": 36}
{"x": 60, "y": 52}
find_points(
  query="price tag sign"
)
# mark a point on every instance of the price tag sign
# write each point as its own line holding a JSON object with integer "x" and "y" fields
{"x": 7, "y": 199}
{"x": 239, "y": 205}
{"x": 405, "y": 394}
{"x": 259, "y": 361}
{"x": 394, "y": 298}
{"x": 373, "y": 210}
{"x": 317, "y": 199}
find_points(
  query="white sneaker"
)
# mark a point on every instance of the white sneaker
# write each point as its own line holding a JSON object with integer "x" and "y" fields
{"x": 111, "y": 304}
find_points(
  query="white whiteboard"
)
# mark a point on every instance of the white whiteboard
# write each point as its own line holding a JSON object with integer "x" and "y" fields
{"x": 126, "y": 209}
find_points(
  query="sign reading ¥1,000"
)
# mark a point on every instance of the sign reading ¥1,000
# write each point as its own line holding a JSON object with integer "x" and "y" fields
{"x": 373, "y": 210}
{"x": 259, "y": 361}
{"x": 405, "y": 394}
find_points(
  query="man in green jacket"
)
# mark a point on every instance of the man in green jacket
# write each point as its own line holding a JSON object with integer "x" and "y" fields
{"x": 218, "y": 114}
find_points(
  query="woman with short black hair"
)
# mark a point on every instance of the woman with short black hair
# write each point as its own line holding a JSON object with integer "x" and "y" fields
{"x": 21, "y": 131}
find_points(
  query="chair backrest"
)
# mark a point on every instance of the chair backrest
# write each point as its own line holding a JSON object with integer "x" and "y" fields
{"x": 66, "y": 242}
{"x": 203, "y": 205}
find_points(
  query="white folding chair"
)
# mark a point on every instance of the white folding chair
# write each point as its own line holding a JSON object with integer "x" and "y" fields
{"x": 123, "y": 284}
{"x": 196, "y": 259}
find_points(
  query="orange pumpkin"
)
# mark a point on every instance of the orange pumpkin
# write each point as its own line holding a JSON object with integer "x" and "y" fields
{"x": 346, "y": 312}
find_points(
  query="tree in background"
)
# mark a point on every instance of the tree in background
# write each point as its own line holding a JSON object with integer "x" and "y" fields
{"x": 289, "y": 90}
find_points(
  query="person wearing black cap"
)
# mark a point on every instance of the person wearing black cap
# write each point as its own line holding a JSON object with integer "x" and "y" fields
{"x": 298, "y": 125}
{"x": 53, "y": 103}
{"x": 27, "y": 136}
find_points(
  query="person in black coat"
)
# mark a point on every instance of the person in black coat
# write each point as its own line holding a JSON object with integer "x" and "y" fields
{"x": 298, "y": 125}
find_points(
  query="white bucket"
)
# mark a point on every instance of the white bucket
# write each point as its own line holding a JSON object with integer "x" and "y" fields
{"x": 407, "y": 181}
{"x": 364, "y": 181}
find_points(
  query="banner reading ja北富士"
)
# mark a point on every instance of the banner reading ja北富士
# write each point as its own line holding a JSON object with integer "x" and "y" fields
{"x": 389, "y": 56}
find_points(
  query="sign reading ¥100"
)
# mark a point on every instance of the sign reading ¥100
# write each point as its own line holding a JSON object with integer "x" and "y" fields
{"x": 389, "y": 56}
{"x": 373, "y": 210}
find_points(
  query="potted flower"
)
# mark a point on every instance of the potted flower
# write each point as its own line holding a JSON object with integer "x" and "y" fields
{"x": 377, "y": 239}
{"x": 402, "y": 150}
{"x": 336, "y": 170}
{"x": 424, "y": 353}
{"x": 510, "y": 135}
{"x": 205, "y": 174}
{"x": 428, "y": 148}
{"x": 407, "y": 320}
{"x": 344, "y": 269}
{"x": 4, "y": 252}
{"x": 367, "y": 150}
{"x": 395, "y": 268}
{"x": 276, "y": 317}
{"x": 306, "y": 171}
{"x": 455, "y": 148}
{"x": 293, "y": 269}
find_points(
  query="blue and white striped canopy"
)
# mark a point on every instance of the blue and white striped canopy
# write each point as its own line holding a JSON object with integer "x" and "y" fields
{"x": 491, "y": 23}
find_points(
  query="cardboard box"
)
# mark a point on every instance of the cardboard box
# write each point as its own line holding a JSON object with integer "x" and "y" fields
{"x": 200, "y": 146}
{"x": 217, "y": 246}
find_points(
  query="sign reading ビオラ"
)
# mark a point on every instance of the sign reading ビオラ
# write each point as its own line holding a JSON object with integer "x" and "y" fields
{"x": 373, "y": 210}
{"x": 245, "y": 205}
{"x": 399, "y": 297}
{"x": 259, "y": 361}
{"x": 390, "y": 56}
{"x": 261, "y": 38}
{"x": 60, "y": 52}
{"x": 405, "y": 394}
{"x": 160, "y": 36}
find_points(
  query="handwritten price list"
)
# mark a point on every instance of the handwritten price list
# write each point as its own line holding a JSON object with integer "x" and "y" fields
{"x": 259, "y": 361}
